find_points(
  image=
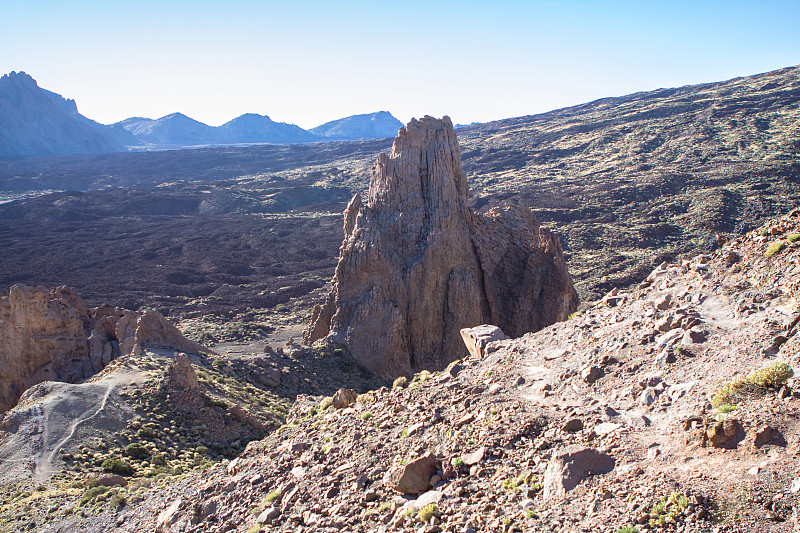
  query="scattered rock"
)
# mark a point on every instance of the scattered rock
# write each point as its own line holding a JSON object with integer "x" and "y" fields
{"x": 591, "y": 373}
{"x": 475, "y": 457}
{"x": 344, "y": 398}
{"x": 569, "y": 467}
{"x": 476, "y": 339}
{"x": 413, "y": 477}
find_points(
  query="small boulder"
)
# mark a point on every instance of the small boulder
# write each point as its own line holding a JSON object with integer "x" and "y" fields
{"x": 414, "y": 477}
{"x": 110, "y": 480}
{"x": 344, "y": 398}
{"x": 664, "y": 302}
{"x": 181, "y": 374}
{"x": 475, "y": 457}
{"x": 591, "y": 373}
{"x": 270, "y": 377}
{"x": 569, "y": 467}
{"x": 725, "y": 434}
{"x": 168, "y": 517}
{"x": 476, "y": 339}
{"x": 572, "y": 425}
{"x": 694, "y": 336}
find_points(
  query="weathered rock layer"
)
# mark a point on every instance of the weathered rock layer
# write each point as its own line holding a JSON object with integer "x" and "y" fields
{"x": 53, "y": 336}
{"x": 417, "y": 264}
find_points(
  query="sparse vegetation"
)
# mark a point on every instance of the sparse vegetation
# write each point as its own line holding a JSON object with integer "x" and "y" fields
{"x": 628, "y": 529}
{"x": 366, "y": 415}
{"x": 668, "y": 508}
{"x": 772, "y": 376}
{"x": 793, "y": 237}
{"x": 775, "y": 248}
{"x": 400, "y": 382}
{"x": 118, "y": 466}
{"x": 428, "y": 512}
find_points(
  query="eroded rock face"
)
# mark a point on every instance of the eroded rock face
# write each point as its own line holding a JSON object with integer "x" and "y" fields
{"x": 51, "y": 335}
{"x": 417, "y": 264}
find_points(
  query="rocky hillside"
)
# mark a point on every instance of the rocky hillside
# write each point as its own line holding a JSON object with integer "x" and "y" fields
{"x": 34, "y": 121}
{"x": 667, "y": 407}
{"x": 367, "y": 126}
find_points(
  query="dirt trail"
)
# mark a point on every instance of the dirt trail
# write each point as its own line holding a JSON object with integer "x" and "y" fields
{"x": 50, "y": 425}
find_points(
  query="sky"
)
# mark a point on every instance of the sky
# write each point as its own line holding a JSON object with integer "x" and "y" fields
{"x": 307, "y": 62}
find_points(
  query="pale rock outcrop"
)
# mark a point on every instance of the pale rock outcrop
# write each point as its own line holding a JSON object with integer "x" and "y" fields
{"x": 417, "y": 264}
{"x": 51, "y": 335}
{"x": 478, "y": 338}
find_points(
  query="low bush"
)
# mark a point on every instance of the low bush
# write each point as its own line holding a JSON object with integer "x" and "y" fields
{"x": 116, "y": 465}
{"x": 772, "y": 376}
{"x": 775, "y": 248}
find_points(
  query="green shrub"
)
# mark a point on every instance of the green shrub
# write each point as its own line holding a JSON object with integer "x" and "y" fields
{"x": 457, "y": 462}
{"x": 627, "y": 529}
{"x": 136, "y": 450}
{"x": 428, "y": 512}
{"x": 366, "y": 415}
{"x": 401, "y": 382}
{"x": 272, "y": 496}
{"x": 117, "y": 500}
{"x": 772, "y": 376}
{"x": 775, "y": 248}
{"x": 93, "y": 494}
{"x": 325, "y": 403}
{"x": 116, "y": 465}
{"x": 158, "y": 460}
{"x": 793, "y": 237}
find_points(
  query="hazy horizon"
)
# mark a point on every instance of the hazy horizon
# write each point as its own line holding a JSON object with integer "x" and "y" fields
{"x": 309, "y": 62}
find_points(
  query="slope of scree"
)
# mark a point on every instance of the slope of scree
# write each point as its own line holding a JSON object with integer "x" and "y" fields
{"x": 613, "y": 418}
{"x": 417, "y": 264}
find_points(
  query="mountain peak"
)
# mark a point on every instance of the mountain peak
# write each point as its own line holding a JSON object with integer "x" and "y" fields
{"x": 364, "y": 126}
{"x": 35, "y": 121}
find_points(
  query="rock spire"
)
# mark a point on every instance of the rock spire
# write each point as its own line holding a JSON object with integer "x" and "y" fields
{"x": 417, "y": 264}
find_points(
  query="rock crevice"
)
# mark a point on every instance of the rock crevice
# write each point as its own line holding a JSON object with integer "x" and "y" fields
{"x": 417, "y": 264}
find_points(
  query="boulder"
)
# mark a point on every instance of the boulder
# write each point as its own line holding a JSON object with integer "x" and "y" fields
{"x": 477, "y": 338}
{"x": 417, "y": 265}
{"x": 344, "y": 398}
{"x": 413, "y": 477}
{"x": 181, "y": 374}
{"x": 569, "y": 467}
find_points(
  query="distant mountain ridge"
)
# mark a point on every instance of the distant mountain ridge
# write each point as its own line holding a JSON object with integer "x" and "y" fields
{"x": 178, "y": 130}
{"x": 367, "y": 126}
{"x": 34, "y": 121}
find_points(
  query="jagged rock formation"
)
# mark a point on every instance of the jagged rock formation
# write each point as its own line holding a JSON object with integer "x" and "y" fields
{"x": 417, "y": 264}
{"x": 53, "y": 336}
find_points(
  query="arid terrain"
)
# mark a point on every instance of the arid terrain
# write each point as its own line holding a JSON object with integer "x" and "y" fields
{"x": 667, "y": 407}
{"x": 669, "y": 400}
{"x": 625, "y": 182}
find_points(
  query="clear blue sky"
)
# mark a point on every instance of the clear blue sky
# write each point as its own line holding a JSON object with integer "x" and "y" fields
{"x": 308, "y": 61}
